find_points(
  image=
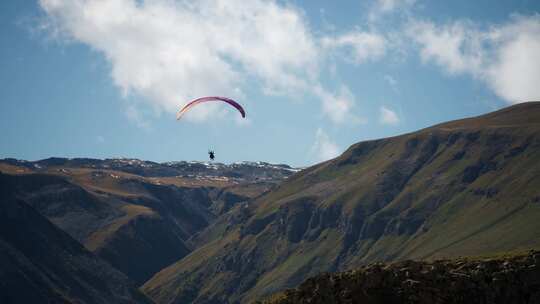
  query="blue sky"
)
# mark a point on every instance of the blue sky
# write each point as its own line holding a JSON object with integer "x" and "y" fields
{"x": 105, "y": 78}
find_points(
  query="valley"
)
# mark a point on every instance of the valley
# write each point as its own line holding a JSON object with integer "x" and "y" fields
{"x": 197, "y": 232}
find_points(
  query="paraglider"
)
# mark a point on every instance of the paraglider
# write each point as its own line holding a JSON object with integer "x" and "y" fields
{"x": 197, "y": 101}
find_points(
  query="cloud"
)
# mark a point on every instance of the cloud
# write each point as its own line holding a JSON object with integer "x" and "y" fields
{"x": 383, "y": 7}
{"x": 323, "y": 148}
{"x": 100, "y": 139}
{"x": 387, "y": 116}
{"x": 338, "y": 106}
{"x": 514, "y": 74}
{"x": 390, "y": 5}
{"x": 506, "y": 57}
{"x": 456, "y": 47}
{"x": 170, "y": 52}
{"x": 359, "y": 46}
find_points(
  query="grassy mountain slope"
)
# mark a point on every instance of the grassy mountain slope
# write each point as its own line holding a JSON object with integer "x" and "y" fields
{"x": 40, "y": 263}
{"x": 466, "y": 187}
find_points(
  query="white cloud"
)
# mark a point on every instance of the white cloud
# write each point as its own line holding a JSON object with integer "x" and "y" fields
{"x": 514, "y": 74}
{"x": 506, "y": 57}
{"x": 324, "y": 148}
{"x": 382, "y": 7}
{"x": 170, "y": 52}
{"x": 456, "y": 47}
{"x": 338, "y": 107}
{"x": 359, "y": 46}
{"x": 387, "y": 116}
{"x": 390, "y": 5}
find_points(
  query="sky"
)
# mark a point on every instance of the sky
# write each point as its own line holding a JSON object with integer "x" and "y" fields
{"x": 105, "y": 78}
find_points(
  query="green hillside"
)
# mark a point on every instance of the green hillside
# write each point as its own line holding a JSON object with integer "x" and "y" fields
{"x": 467, "y": 187}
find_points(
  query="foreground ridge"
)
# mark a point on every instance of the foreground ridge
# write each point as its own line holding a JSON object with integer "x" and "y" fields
{"x": 506, "y": 279}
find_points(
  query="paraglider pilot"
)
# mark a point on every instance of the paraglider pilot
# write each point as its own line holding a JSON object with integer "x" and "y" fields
{"x": 206, "y": 99}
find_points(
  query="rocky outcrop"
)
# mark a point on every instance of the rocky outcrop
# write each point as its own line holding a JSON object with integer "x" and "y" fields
{"x": 503, "y": 280}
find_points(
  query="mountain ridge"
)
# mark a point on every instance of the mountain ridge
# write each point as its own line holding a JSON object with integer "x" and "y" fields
{"x": 465, "y": 187}
{"x": 126, "y": 218}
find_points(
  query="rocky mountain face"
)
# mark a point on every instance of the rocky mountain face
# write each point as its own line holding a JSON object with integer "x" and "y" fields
{"x": 39, "y": 263}
{"x": 504, "y": 280}
{"x": 463, "y": 188}
{"x": 138, "y": 223}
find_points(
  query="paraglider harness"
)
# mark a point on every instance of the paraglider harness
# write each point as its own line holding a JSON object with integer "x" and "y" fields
{"x": 211, "y": 154}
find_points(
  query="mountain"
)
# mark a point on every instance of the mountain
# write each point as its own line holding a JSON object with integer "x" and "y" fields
{"x": 39, "y": 263}
{"x": 241, "y": 171}
{"x": 462, "y": 188}
{"x": 124, "y": 224}
{"x": 498, "y": 280}
{"x": 137, "y": 223}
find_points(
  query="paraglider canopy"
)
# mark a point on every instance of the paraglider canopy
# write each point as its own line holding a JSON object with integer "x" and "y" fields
{"x": 197, "y": 101}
